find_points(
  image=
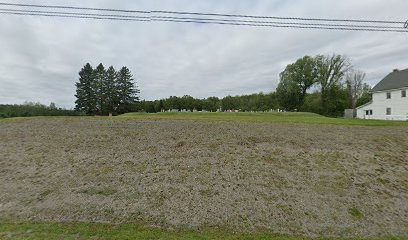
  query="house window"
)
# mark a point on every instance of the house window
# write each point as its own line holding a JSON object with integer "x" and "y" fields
{"x": 369, "y": 112}
{"x": 388, "y": 95}
{"x": 388, "y": 111}
{"x": 404, "y": 93}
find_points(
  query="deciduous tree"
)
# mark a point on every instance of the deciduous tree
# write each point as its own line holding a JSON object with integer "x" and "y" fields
{"x": 331, "y": 70}
{"x": 354, "y": 81}
{"x": 295, "y": 80}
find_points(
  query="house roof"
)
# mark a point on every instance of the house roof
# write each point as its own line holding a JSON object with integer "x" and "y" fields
{"x": 396, "y": 79}
{"x": 364, "y": 105}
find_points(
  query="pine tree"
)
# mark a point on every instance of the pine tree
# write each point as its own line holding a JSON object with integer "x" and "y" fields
{"x": 126, "y": 90}
{"x": 110, "y": 97}
{"x": 86, "y": 98}
{"x": 99, "y": 88}
{"x": 101, "y": 91}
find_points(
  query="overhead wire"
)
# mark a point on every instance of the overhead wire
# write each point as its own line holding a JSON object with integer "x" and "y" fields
{"x": 207, "y": 18}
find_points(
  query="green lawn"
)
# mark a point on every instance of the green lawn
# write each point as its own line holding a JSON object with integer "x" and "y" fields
{"x": 283, "y": 117}
{"x": 127, "y": 231}
{"x": 124, "y": 231}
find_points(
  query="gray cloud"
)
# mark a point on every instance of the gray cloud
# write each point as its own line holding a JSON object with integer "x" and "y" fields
{"x": 42, "y": 56}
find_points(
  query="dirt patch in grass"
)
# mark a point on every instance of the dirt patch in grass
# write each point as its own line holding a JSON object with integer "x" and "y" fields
{"x": 310, "y": 180}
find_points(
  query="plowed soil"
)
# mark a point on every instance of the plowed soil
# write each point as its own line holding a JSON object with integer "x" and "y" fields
{"x": 310, "y": 180}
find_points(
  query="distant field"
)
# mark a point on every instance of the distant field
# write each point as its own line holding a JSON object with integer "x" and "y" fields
{"x": 282, "y": 117}
{"x": 203, "y": 175}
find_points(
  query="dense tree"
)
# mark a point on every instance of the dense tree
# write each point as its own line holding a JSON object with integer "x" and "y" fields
{"x": 101, "y": 91}
{"x": 337, "y": 100}
{"x": 85, "y": 91}
{"x": 366, "y": 95}
{"x": 331, "y": 70}
{"x": 325, "y": 73}
{"x": 126, "y": 90}
{"x": 313, "y": 102}
{"x": 295, "y": 80}
{"x": 110, "y": 96}
{"x": 229, "y": 103}
{"x": 252, "y": 102}
{"x": 211, "y": 104}
{"x": 99, "y": 88}
{"x": 30, "y": 109}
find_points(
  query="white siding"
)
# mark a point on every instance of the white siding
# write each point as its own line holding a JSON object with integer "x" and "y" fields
{"x": 380, "y": 103}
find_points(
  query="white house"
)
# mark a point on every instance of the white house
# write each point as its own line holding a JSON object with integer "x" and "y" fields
{"x": 390, "y": 101}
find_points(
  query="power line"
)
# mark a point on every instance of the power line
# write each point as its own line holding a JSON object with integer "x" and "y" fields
{"x": 34, "y": 12}
{"x": 281, "y": 18}
{"x": 159, "y": 18}
{"x": 269, "y": 22}
{"x": 208, "y": 18}
{"x": 141, "y": 19}
{"x": 202, "y": 14}
{"x": 71, "y": 7}
{"x": 75, "y": 16}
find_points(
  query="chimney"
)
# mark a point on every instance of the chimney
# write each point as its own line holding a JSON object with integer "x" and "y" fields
{"x": 395, "y": 70}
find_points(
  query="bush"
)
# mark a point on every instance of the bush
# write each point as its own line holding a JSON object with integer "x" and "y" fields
{"x": 3, "y": 115}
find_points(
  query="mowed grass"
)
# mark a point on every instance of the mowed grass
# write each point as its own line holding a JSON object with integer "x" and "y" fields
{"x": 272, "y": 117}
{"x": 32, "y": 231}
{"x": 269, "y": 117}
{"x": 123, "y": 231}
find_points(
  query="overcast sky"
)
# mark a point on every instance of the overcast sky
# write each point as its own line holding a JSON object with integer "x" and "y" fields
{"x": 41, "y": 57}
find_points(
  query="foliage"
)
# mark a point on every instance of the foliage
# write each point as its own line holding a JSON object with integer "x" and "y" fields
{"x": 101, "y": 91}
{"x": 35, "y": 109}
{"x": 295, "y": 80}
{"x": 246, "y": 103}
{"x": 85, "y": 91}
{"x": 366, "y": 95}
{"x": 126, "y": 90}
{"x": 326, "y": 74}
{"x": 331, "y": 70}
{"x": 337, "y": 99}
{"x": 312, "y": 103}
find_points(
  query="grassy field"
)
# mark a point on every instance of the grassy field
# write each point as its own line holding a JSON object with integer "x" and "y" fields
{"x": 73, "y": 231}
{"x": 123, "y": 231}
{"x": 203, "y": 176}
{"x": 283, "y": 117}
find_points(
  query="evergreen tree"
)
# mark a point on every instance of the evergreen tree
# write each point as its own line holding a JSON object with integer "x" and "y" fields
{"x": 110, "y": 98}
{"x": 99, "y": 88}
{"x": 85, "y": 94}
{"x": 101, "y": 91}
{"x": 126, "y": 91}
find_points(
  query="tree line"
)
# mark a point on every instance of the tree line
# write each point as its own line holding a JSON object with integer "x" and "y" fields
{"x": 321, "y": 84}
{"x": 252, "y": 102}
{"x": 103, "y": 91}
{"x": 334, "y": 83}
{"x": 30, "y": 109}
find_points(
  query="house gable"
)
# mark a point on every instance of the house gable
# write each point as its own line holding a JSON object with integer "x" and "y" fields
{"x": 395, "y": 80}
